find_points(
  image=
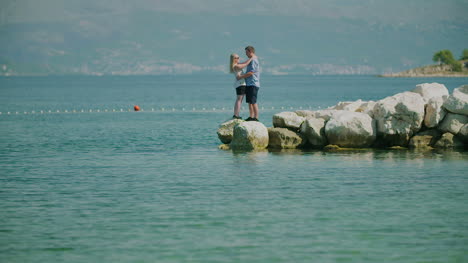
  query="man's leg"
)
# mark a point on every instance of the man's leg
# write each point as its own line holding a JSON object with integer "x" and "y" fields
{"x": 255, "y": 110}
{"x": 251, "y": 110}
{"x": 248, "y": 99}
{"x": 254, "y": 102}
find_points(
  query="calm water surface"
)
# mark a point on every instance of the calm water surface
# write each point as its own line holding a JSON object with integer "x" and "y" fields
{"x": 153, "y": 187}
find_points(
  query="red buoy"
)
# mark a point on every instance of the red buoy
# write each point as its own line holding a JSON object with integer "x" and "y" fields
{"x": 136, "y": 108}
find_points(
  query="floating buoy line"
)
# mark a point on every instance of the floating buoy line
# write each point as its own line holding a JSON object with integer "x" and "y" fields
{"x": 139, "y": 109}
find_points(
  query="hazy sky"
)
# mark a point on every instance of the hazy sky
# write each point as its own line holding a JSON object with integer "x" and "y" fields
{"x": 149, "y": 35}
{"x": 394, "y": 11}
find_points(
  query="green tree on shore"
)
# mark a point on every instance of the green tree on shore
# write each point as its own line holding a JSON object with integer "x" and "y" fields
{"x": 464, "y": 54}
{"x": 446, "y": 57}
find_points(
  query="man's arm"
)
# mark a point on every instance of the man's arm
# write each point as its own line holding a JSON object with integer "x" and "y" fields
{"x": 243, "y": 64}
{"x": 246, "y": 75}
{"x": 250, "y": 73}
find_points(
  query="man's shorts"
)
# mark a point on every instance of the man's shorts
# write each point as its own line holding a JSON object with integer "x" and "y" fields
{"x": 251, "y": 94}
{"x": 240, "y": 90}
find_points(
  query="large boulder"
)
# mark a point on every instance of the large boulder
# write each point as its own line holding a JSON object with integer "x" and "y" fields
{"x": 314, "y": 130}
{"x": 288, "y": 120}
{"x": 434, "y": 111}
{"x": 398, "y": 117}
{"x": 448, "y": 140}
{"x": 283, "y": 138}
{"x": 351, "y": 129}
{"x": 249, "y": 135}
{"x": 226, "y": 130}
{"x": 425, "y": 139}
{"x": 431, "y": 90}
{"x": 453, "y": 123}
{"x": 458, "y": 101}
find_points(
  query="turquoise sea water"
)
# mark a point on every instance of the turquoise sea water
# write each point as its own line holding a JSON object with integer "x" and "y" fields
{"x": 152, "y": 186}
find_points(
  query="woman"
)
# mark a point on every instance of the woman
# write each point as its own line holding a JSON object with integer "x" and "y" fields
{"x": 235, "y": 67}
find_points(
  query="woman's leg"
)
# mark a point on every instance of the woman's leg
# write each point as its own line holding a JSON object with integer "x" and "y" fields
{"x": 237, "y": 105}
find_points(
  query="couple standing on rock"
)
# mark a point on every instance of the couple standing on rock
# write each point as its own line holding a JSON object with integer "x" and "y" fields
{"x": 247, "y": 84}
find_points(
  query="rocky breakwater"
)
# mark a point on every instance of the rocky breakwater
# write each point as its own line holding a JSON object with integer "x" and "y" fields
{"x": 425, "y": 117}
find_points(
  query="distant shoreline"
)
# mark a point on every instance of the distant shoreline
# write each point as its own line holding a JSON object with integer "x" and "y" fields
{"x": 439, "y": 71}
{"x": 398, "y": 75}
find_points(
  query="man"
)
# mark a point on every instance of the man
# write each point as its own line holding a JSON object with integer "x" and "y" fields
{"x": 252, "y": 82}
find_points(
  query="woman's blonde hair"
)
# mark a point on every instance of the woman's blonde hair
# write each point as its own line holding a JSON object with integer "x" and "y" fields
{"x": 231, "y": 62}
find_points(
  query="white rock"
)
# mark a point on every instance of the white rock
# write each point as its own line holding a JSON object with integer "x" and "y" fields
{"x": 355, "y": 106}
{"x": 283, "y": 138}
{"x": 314, "y": 130}
{"x": 453, "y": 123}
{"x": 326, "y": 114}
{"x": 226, "y": 130}
{"x": 351, "y": 129}
{"x": 305, "y": 113}
{"x": 458, "y": 101}
{"x": 287, "y": 119}
{"x": 249, "y": 135}
{"x": 347, "y": 105}
{"x": 434, "y": 111}
{"x": 431, "y": 90}
{"x": 398, "y": 117}
{"x": 367, "y": 108}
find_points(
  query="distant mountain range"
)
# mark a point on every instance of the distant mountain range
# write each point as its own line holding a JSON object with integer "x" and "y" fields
{"x": 150, "y": 43}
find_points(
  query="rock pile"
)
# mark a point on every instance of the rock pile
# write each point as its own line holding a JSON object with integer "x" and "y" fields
{"x": 426, "y": 117}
